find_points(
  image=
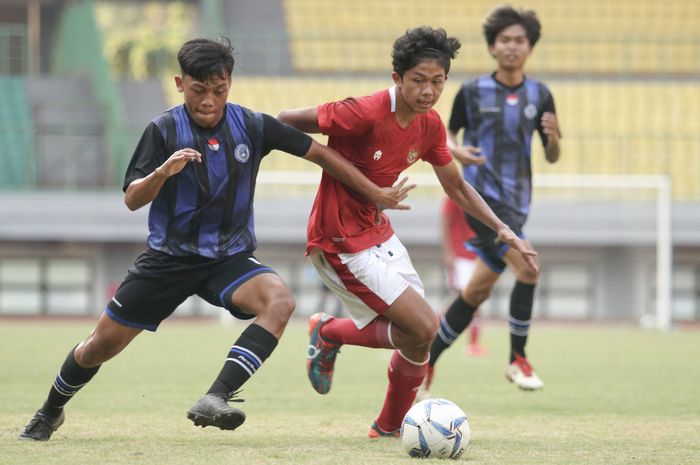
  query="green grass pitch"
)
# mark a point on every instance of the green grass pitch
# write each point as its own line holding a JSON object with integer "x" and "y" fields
{"x": 613, "y": 395}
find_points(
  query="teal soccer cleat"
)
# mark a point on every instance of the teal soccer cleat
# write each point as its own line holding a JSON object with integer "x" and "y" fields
{"x": 320, "y": 355}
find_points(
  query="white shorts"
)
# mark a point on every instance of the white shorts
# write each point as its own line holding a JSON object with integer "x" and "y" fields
{"x": 461, "y": 272}
{"x": 369, "y": 281}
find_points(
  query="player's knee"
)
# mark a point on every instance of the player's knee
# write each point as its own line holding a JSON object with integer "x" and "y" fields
{"x": 92, "y": 353}
{"x": 281, "y": 306}
{"x": 528, "y": 276}
{"x": 476, "y": 295}
{"x": 426, "y": 332}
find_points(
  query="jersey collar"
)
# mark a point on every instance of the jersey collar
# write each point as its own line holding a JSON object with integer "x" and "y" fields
{"x": 392, "y": 98}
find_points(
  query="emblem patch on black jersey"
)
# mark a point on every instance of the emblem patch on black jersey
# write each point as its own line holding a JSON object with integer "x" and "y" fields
{"x": 412, "y": 155}
{"x": 512, "y": 99}
{"x": 213, "y": 144}
{"x": 530, "y": 111}
{"x": 242, "y": 153}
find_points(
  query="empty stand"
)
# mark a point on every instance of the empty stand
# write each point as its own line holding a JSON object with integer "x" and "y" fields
{"x": 609, "y": 126}
{"x": 596, "y": 36}
{"x": 16, "y": 134}
{"x": 70, "y": 136}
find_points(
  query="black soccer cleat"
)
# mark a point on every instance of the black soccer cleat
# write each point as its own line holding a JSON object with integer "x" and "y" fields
{"x": 213, "y": 410}
{"x": 42, "y": 426}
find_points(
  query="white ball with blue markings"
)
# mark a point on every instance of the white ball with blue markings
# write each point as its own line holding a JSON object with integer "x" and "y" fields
{"x": 435, "y": 428}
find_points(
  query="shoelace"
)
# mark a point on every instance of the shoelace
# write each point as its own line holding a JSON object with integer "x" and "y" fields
{"x": 232, "y": 396}
{"x": 327, "y": 359}
{"x": 39, "y": 422}
{"x": 524, "y": 365}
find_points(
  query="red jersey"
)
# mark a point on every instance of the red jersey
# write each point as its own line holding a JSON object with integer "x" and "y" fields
{"x": 458, "y": 229}
{"x": 365, "y": 131}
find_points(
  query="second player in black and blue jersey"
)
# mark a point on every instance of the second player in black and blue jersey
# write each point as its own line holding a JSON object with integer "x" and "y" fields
{"x": 499, "y": 115}
{"x": 500, "y": 120}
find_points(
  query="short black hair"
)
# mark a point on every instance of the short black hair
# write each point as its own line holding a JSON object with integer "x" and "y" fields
{"x": 205, "y": 58}
{"x": 505, "y": 16}
{"x": 423, "y": 43}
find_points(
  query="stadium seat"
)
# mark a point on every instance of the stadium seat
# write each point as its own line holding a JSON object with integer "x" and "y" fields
{"x": 609, "y": 126}
{"x": 588, "y": 37}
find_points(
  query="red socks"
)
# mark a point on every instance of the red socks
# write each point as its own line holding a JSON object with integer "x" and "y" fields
{"x": 474, "y": 330}
{"x": 405, "y": 377}
{"x": 344, "y": 331}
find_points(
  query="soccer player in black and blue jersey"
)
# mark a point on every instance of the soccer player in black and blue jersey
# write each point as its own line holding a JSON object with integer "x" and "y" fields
{"x": 197, "y": 164}
{"x": 499, "y": 114}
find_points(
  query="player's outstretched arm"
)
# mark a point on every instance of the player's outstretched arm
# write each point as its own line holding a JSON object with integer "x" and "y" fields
{"x": 466, "y": 197}
{"x": 466, "y": 155}
{"x": 304, "y": 119}
{"x": 337, "y": 166}
{"x": 142, "y": 191}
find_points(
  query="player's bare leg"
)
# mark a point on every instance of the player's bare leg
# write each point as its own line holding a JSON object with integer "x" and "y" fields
{"x": 268, "y": 298}
{"x": 82, "y": 363}
{"x": 413, "y": 327}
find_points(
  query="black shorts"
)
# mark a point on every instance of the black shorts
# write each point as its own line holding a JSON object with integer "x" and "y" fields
{"x": 486, "y": 244}
{"x": 158, "y": 283}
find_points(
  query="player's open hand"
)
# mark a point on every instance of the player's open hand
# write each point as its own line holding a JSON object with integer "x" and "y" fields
{"x": 178, "y": 160}
{"x": 391, "y": 198}
{"x": 509, "y": 237}
{"x": 469, "y": 155}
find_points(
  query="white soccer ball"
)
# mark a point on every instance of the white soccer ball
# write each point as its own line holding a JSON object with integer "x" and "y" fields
{"x": 435, "y": 428}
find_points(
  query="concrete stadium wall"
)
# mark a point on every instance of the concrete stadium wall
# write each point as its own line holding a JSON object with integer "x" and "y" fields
{"x": 597, "y": 260}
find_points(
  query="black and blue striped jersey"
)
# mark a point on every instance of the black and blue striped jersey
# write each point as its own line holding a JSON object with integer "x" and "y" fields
{"x": 207, "y": 208}
{"x": 501, "y": 120}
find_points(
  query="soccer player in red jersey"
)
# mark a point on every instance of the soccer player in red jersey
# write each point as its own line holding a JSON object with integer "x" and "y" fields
{"x": 460, "y": 262}
{"x": 355, "y": 251}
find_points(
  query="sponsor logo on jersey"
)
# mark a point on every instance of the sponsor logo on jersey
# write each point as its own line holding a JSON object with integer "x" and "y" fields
{"x": 489, "y": 110}
{"x": 512, "y": 99}
{"x": 213, "y": 144}
{"x": 530, "y": 111}
{"x": 242, "y": 153}
{"x": 377, "y": 155}
{"x": 412, "y": 155}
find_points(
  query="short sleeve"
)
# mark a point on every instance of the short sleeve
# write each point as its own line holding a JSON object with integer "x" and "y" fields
{"x": 547, "y": 107}
{"x": 458, "y": 119}
{"x": 348, "y": 117}
{"x": 280, "y": 136}
{"x": 438, "y": 154}
{"x": 149, "y": 154}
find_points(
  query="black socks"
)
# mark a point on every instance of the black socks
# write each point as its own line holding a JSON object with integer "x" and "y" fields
{"x": 69, "y": 380}
{"x": 248, "y": 353}
{"x": 521, "y": 300}
{"x": 456, "y": 320}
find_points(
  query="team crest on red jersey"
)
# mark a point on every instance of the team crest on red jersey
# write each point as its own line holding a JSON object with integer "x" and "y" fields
{"x": 412, "y": 155}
